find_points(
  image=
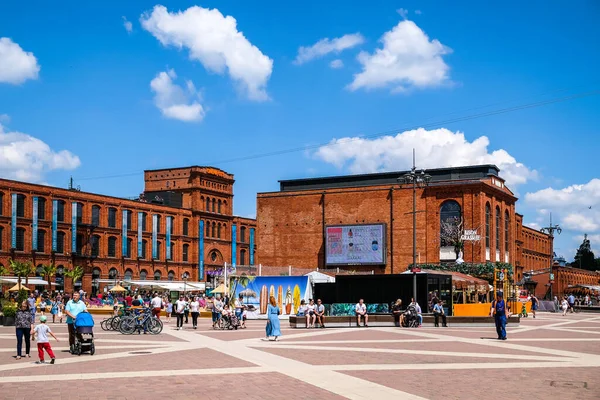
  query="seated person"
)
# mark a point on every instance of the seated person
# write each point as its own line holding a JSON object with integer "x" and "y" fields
{"x": 361, "y": 312}
{"x": 310, "y": 314}
{"x": 226, "y": 313}
{"x": 303, "y": 310}
{"x": 397, "y": 313}
{"x": 418, "y": 308}
{"x": 320, "y": 313}
{"x": 438, "y": 311}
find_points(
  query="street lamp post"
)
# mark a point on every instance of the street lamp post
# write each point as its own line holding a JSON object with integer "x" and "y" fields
{"x": 185, "y": 278}
{"x": 550, "y": 229}
{"x": 418, "y": 180}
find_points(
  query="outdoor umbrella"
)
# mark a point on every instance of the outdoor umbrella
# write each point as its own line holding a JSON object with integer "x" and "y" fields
{"x": 18, "y": 287}
{"x": 248, "y": 293}
{"x": 118, "y": 288}
{"x": 221, "y": 289}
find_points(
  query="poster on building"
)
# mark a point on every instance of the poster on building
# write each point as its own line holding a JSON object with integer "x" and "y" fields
{"x": 256, "y": 291}
{"x": 355, "y": 244}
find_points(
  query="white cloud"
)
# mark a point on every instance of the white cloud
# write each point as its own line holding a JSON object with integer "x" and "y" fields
{"x": 336, "y": 64}
{"x": 418, "y": 12}
{"x": 326, "y": 46}
{"x": 403, "y": 12}
{"x": 577, "y": 206}
{"x": 435, "y": 149}
{"x": 533, "y": 225}
{"x": 16, "y": 65}
{"x": 24, "y": 157}
{"x": 215, "y": 41}
{"x": 128, "y": 25}
{"x": 175, "y": 102}
{"x": 4, "y": 118}
{"x": 408, "y": 59}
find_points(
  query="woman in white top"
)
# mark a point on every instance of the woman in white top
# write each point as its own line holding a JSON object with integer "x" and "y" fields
{"x": 303, "y": 310}
{"x": 195, "y": 310}
{"x": 564, "y": 305}
{"x": 310, "y": 314}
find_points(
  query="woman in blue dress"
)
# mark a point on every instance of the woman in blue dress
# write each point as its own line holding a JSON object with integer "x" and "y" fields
{"x": 273, "y": 328}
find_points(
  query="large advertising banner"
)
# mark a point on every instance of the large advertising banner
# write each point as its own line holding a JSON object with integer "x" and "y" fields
{"x": 233, "y": 246}
{"x": 54, "y": 224}
{"x": 139, "y": 234}
{"x": 34, "y": 232}
{"x": 201, "y": 251}
{"x": 251, "y": 246}
{"x": 74, "y": 227}
{"x": 13, "y": 222}
{"x": 154, "y": 236}
{"x": 168, "y": 239}
{"x": 287, "y": 290}
{"x": 355, "y": 244}
{"x": 124, "y": 228}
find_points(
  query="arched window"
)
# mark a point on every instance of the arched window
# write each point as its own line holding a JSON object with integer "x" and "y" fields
{"x": 498, "y": 228}
{"x": 157, "y": 275}
{"x": 186, "y": 275}
{"x": 143, "y": 275}
{"x": 20, "y": 239}
{"x": 113, "y": 273}
{"x": 506, "y": 231}
{"x": 488, "y": 212}
{"x": 95, "y": 215}
{"x": 219, "y": 231}
{"x": 243, "y": 234}
{"x": 112, "y": 246}
{"x": 186, "y": 249}
{"x": 79, "y": 213}
{"x": 213, "y": 256}
{"x": 219, "y": 207}
{"x": 171, "y": 275}
{"x": 60, "y": 242}
{"x": 41, "y": 208}
{"x": 41, "y": 241}
{"x": 186, "y": 226}
{"x": 20, "y": 205}
{"x": 129, "y": 247}
{"x": 208, "y": 204}
{"x": 39, "y": 271}
{"x": 214, "y": 205}
{"x": 95, "y": 246}
{"x": 112, "y": 217}
{"x": 242, "y": 257}
{"x": 128, "y": 274}
{"x": 214, "y": 229}
{"x": 450, "y": 219}
{"x": 207, "y": 229}
{"x": 128, "y": 218}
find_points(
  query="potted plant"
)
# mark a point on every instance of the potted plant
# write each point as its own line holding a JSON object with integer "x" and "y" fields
{"x": 9, "y": 311}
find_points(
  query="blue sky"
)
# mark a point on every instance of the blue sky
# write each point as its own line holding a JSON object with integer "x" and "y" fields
{"x": 79, "y": 81}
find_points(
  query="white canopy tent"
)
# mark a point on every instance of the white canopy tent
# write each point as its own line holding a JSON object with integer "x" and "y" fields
{"x": 169, "y": 285}
{"x": 30, "y": 281}
{"x": 319, "y": 277}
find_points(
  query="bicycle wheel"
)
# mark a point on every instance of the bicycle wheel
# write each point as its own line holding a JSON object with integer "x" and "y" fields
{"x": 116, "y": 321}
{"x": 104, "y": 325}
{"x": 154, "y": 326}
{"x": 127, "y": 326}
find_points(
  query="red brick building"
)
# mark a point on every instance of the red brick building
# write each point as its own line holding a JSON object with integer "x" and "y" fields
{"x": 292, "y": 222}
{"x": 182, "y": 225}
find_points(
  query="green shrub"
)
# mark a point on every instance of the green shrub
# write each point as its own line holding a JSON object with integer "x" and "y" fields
{"x": 9, "y": 310}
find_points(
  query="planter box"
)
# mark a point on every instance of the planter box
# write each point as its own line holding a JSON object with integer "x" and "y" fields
{"x": 1, "y": 319}
{"x": 8, "y": 321}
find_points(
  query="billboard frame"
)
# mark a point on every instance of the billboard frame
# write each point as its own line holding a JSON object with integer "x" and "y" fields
{"x": 383, "y": 239}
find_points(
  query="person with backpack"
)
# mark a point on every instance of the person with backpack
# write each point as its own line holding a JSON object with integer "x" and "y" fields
{"x": 534, "y": 304}
{"x": 500, "y": 313}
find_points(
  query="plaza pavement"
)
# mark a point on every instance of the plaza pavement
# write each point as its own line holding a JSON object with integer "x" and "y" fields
{"x": 551, "y": 357}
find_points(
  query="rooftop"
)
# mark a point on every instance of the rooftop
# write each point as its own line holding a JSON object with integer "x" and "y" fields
{"x": 472, "y": 172}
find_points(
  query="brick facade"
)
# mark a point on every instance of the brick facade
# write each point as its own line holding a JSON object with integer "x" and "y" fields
{"x": 206, "y": 195}
{"x": 291, "y": 222}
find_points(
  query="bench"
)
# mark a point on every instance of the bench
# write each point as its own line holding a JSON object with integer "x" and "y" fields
{"x": 349, "y": 321}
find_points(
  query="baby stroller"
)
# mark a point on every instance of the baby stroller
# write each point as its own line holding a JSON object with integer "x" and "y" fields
{"x": 411, "y": 318}
{"x": 84, "y": 334}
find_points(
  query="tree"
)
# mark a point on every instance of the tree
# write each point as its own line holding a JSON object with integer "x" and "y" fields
{"x": 49, "y": 270}
{"x": 584, "y": 258}
{"x": 21, "y": 270}
{"x": 451, "y": 234}
{"x": 3, "y": 270}
{"x": 75, "y": 274}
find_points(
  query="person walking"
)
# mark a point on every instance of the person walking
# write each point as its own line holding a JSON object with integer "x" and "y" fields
{"x": 179, "y": 308}
{"x": 534, "y": 304}
{"x": 239, "y": 307}
{"x": 564, "y": 305}
{"x": 273, "y": 328}
{"x": 42, "y": 330}
{"x": 498, "y": 311}
{"x": 23, "y": 329}
{"x": 72, "y": 309}
{"x": 54, "y": 307}
{"x": 32, "y": 306}
{"x": 195, "y": 310}
{"x": 157, "y": 305}
{"x": 186, "y": 309}
{"x": 169, "y": 309}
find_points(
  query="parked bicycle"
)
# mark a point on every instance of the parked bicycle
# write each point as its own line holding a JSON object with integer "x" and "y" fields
{"x": 141, "y": 320}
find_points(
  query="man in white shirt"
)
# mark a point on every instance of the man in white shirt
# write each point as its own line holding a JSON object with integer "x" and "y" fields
{"x": 361, "y": 312}
{"x": 179, "y": 308}
{"x": 157, "y": 304}
{"x": 239, "y": 307}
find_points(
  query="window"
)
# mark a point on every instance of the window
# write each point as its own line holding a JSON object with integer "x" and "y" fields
{"x": 157, "y": 275}
{"x": 219, "y": 231}
{"x": 213, "y": 256}
{"x": 172, "y": 228}
{"x": 79, "y": 244}
{"x": 60, "y": 211}
{"x": 113, "y": 273}
{"x": 498, "y": 227}
{"x": 186, "y": 248}
{"x": 207, "y": 229}
{"x": 450, "y": 219}
{"x": 95, "y": 246}
{"x": 1, "y": 236}
{"x": 129, "y": 246}
{"x": 144, "y": 246}
{"x": 214, "y": 229}
{"x": 186, "y": 223}
{"x": 41, "y": 239}
{"x": 20, "y": 205}
{"x": 488, "y": 211}
{"x": 171, "y": 275}
{"x": 157, "y": 251}
{"x": 1, "y": 202}
{"x": 506, "y": 230}
{"x": 128, "y": 274}
{"x": 143, "y": 275}
{"x": 112, "y": 217}
{"x": 243, "y": 234}
{"x": 79, "y": 213}
{"x": 219, "y": 207}
{"x": 41, "y": 208}
{"x": 129, "y": 221}
{"x": 20, "y": 239}
{"x": 208, "y": 204}
{"x": 95, "y": 215}
{"x": 158, "y": 224}
{"x": 242, "y": 257}
{"x": 171, "y": 251}
{"x": 112, "y": 246}
{"x": 60, "y": 242}
{"x": 214, "y": 203}
{"x": 143, "y": 222}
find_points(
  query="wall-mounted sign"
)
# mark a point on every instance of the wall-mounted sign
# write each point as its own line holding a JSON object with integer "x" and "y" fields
{"x": 355, "y": 244}
{"x": 470, "y": 235}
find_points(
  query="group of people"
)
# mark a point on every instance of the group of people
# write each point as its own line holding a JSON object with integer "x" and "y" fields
{"x": 235, "y": 314}
{"x": 314, "y": 313}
